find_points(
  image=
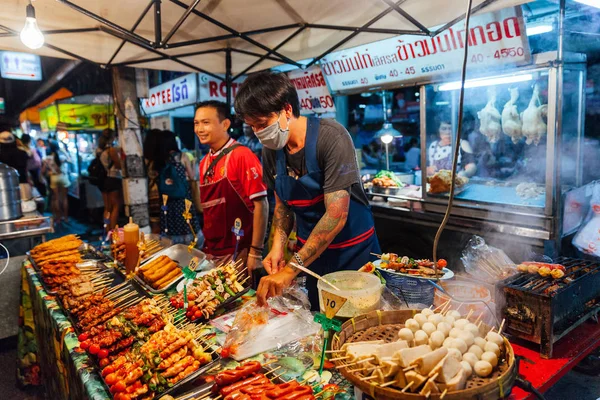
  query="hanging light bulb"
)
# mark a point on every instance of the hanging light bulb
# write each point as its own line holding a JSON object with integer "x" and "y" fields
{"x": 31, "y": 36}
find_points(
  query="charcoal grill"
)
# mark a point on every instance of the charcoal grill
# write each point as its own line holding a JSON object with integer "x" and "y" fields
{"x": 544, "y": 310}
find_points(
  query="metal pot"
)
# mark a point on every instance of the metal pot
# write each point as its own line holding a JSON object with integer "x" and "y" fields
{"x": 10, "y": 193}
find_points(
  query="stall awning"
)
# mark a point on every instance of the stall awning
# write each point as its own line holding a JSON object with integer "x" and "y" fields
{"x": 194, "y": 35}
{"x": 32, "y": 114}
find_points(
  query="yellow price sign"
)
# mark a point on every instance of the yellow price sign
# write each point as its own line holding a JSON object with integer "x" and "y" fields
{"x": 332, "y": 303}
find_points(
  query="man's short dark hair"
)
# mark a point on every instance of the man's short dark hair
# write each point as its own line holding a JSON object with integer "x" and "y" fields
{"x": 220, "y": 106}
{"x": 265, "y": 93}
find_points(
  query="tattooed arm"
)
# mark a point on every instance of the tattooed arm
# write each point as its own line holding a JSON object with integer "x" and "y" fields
{"x": 329, "y": 226}
{"x": 283, "y": 222}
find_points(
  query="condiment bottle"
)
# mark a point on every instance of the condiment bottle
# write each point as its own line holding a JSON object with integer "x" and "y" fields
{"x": 132, "y": 236}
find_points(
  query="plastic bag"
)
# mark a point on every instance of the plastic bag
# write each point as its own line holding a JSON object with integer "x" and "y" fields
{"x": 286, "y": 321}
{"x": 587, "y": 238}
{"x": 486, "y": 263}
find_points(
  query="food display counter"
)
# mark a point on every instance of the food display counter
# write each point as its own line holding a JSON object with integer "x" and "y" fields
{"x": 529, "y": 186}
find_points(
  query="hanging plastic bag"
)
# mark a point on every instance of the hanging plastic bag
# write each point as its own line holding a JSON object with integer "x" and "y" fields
{"x": 286, "y": 320}
{"x": 486, "y": 263}
{"x": 587, "y": 238}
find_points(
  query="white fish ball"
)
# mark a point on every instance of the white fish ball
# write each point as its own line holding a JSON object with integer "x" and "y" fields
{"x": 420, "y": 318}
{"x": 427, "y": 312}
{"x": 470, "y": 327}
{"x": 428, "y": 327}
{"x": 455, "y": 314}
{"x": 470, "y": 358}
{"x": 444, "y": 328}
{"x": 479, "y": 341}
{"x": 493, "y": 347}
{"x": 406, "y": 334}
{"x": 435, "y": 319}
{"x": 437, "y": 339}
{"x": 483, "y": 368}
{"x": 495, "y": 337}
{"x": 449, "y": 319}
{"x": 460, "y": 345}
{"x": 412, "y": 324}
{"x": 467, "y": 368}
{"x": 461, "y": 323}
{"x": 421, "y": 337}
{"x": 454, "y": 332}
{"x": 447, "y": 342}
{"x": 467, "y": 337}
{"x": 476, "y": 350}
{"x": 455, "y": 353}
{"x": 490, "y": 357}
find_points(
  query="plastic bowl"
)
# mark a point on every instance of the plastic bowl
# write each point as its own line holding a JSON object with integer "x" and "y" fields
{"x": 363, "y": 292}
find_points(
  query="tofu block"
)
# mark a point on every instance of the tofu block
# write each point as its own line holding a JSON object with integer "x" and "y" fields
{"x": 429, "y": 361}
{"x": 429, "y": 388}
{"x": 457, "y": 383}
{"x": 389, "y": 368}
{"x": 418, "y": 379}
{"x": 405, "y": 357}
{"x": 446, "y": 369}
{"x": 388, "y": 349}
{"x": 400, "y": 379}
{"x": 345, "y": 346}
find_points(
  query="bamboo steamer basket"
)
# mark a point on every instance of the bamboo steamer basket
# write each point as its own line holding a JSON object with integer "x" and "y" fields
{"x": 385, "y": 325}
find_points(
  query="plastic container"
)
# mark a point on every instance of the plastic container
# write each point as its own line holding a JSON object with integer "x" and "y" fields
{"x": 467, "y": 296}
{"x": 363, "y": 292}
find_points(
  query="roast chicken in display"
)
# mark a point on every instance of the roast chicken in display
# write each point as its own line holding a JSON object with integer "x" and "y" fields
{"x": 489, "y": 119}
{"x": 511, "y": 121}
{"x": 534, "y": 127}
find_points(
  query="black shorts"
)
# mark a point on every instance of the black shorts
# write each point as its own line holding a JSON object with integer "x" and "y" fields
{"x": 111, "y": 185}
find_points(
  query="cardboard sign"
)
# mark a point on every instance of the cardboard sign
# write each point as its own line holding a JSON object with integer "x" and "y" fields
{"x": 332, "y": 303}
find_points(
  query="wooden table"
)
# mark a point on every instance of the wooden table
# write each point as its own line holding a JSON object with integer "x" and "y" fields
{"x": 568, "y": 352}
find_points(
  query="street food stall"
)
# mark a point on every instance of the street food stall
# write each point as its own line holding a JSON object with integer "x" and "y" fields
{"x": 162, "y": 325}
{"x": 76, "y": 122}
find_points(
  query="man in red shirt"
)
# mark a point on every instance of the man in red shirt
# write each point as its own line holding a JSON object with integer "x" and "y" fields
{"x": 231, "y": 188}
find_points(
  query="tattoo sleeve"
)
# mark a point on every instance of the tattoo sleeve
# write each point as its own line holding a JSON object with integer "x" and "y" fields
{"x": 329, "y": 226}
{"x": 283, "y": 222}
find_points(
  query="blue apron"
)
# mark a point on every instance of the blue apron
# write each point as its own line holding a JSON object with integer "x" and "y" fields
{"x": 351, "y": 248}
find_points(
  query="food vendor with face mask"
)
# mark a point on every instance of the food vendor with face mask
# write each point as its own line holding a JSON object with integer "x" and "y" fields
{"x": 311, "y": 165}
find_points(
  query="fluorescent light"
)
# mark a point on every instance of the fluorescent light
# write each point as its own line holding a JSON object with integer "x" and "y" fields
{"x": 539, "y": 29}
{"x": 592, "y": 3}
{"x": 442, "y": 103}
{"x": 485, "y": 82}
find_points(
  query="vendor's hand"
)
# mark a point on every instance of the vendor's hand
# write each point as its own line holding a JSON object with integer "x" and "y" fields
{"x": 273, "y": 285}
{"x": 253, "y": 263}
{"x": 274, "y": 261}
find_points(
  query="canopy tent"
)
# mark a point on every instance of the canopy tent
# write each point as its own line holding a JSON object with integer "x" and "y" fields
{"x": 231, "y": 37}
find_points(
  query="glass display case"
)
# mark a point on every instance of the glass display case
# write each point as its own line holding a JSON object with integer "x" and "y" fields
{"x": 81, "y": 147}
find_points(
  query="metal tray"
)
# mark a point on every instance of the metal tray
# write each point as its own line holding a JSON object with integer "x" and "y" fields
{"x": 390, "y": 191}
{"x": 178, "y": 253}
{"x": 150, "y": 289}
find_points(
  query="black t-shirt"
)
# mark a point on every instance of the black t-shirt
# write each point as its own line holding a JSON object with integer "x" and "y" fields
{"x": 336, "y": 158}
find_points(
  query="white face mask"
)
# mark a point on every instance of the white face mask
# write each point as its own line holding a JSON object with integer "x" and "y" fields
{"x": 274, "y": 137}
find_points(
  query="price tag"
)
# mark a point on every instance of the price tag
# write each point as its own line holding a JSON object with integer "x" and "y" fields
{"x": 237, "y": 228}
{"x": 332, "y": 303}
{"x": 194, "y": 262}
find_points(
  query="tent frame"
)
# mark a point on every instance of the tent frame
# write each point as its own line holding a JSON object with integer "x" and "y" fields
{"x": 161, "y": 42}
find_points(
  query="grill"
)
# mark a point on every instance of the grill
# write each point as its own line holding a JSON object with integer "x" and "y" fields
{"x": 543, "y": 310}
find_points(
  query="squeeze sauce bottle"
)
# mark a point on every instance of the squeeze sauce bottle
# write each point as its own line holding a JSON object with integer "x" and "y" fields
{"x": 132, "y": 236}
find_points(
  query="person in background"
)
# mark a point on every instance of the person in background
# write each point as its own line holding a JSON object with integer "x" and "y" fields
{"x": 413, "y": 154}
{"x": 112, "y": 187}
{"x": 154, "y": 201}
{"x": 231, "y": 187}
{"x": 12, "y": 155}
{"x": 250, "y": 140}
{"x": 440, "y": 152}
{"x": 55, "y": 166}
{"x": 311, "y": 165}
{"x": 174, "y": 224}
{"x": 41, "y": 147}
{"x": 34, "y": 165}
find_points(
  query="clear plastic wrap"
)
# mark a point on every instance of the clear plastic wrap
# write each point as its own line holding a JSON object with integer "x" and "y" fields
{"x": 486, "y": 263}
{"x": 587, "y": 238}
{"x": 285, "y": 322}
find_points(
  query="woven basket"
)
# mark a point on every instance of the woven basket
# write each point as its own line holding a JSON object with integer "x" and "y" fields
{"x": 413, "y": 290}
{"x": 384, "y": 325}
